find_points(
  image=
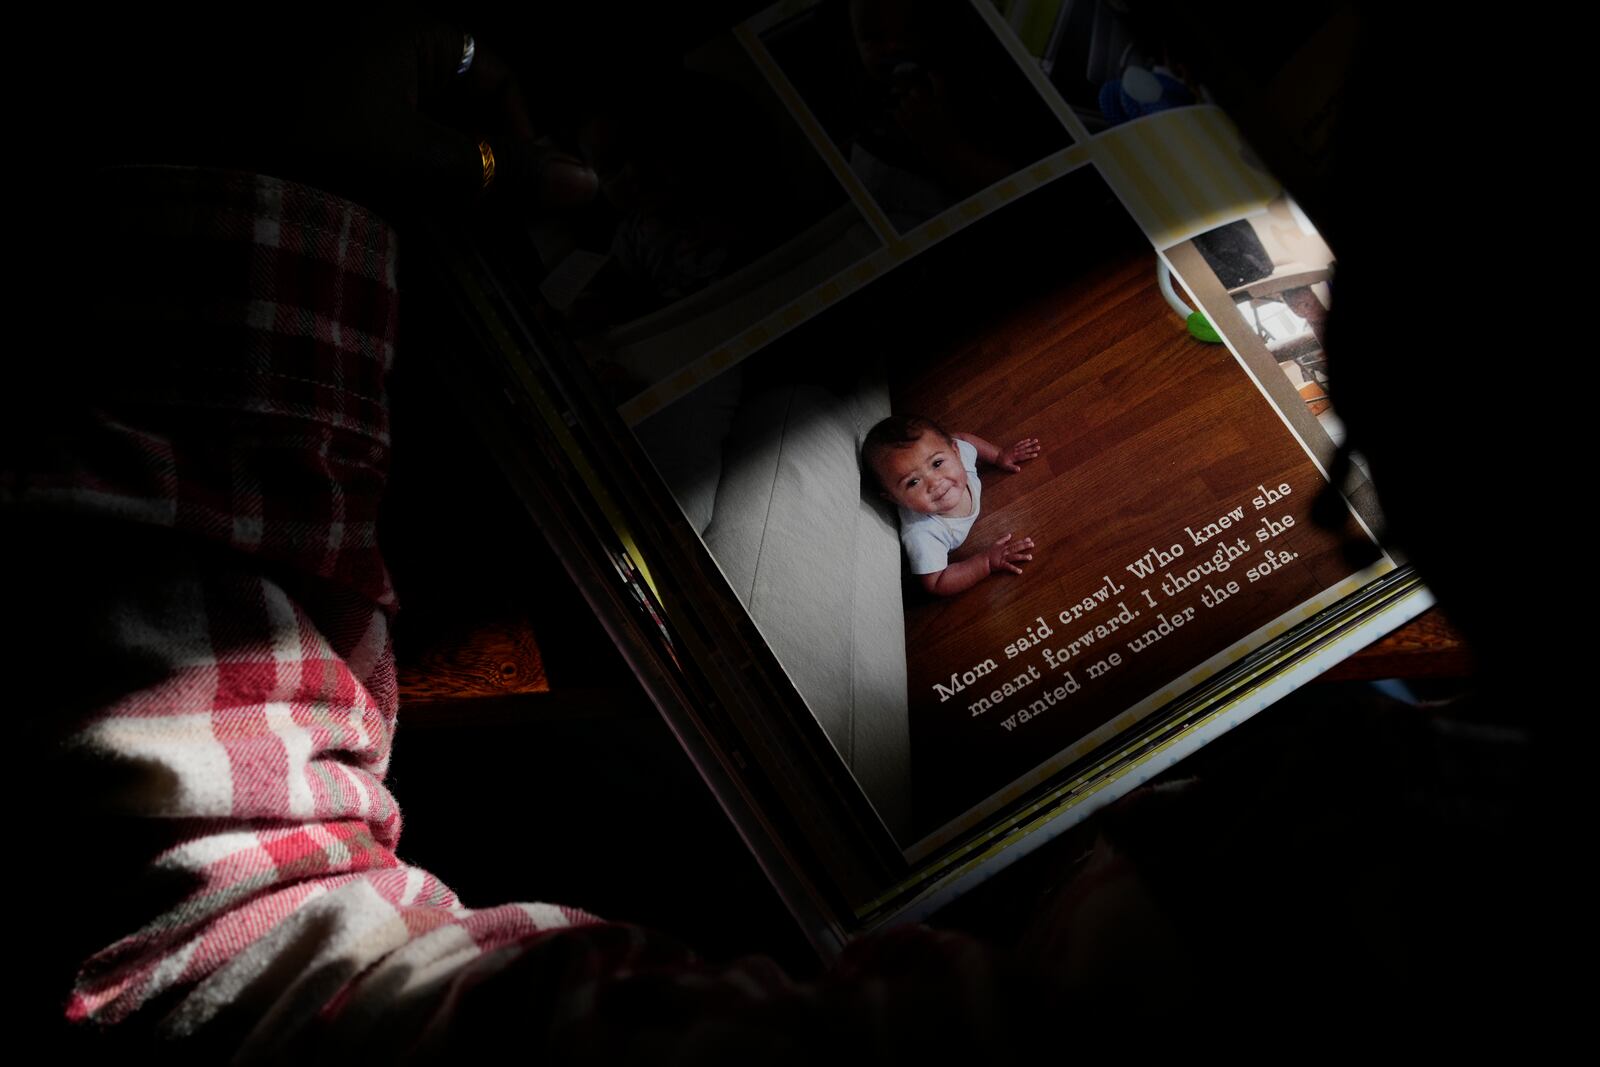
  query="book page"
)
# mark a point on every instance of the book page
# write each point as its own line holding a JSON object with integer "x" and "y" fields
{"x": 1001, "y": 219}
{"x": 1169, "y": 509}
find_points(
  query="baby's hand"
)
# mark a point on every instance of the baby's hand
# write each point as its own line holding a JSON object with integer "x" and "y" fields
{"x": 1012, "y": 458}
{"x": 1004, "y": 556}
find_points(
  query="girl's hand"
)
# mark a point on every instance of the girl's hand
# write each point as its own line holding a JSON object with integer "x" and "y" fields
{"x": 1004, "y": 556}
{"x": 1012, "y": 458}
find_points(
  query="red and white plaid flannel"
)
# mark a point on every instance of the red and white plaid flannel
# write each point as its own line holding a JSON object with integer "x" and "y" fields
{"x": 248, "y": 422}
{"x": 196, "y": 510}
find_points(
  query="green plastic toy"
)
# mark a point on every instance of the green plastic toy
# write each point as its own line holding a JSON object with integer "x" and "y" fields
{"x": 1200, "y": 327}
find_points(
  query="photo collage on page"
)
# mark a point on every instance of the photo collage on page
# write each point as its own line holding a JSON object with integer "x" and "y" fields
{"x": 970, "y": 250}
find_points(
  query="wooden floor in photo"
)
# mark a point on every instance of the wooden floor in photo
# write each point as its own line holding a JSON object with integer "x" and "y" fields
{"x": 1145, "y": 431}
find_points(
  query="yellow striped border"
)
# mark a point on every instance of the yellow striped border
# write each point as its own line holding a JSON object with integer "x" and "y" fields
{"x": 1182, "y": 172}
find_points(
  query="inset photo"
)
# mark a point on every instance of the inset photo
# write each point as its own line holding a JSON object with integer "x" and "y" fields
{"x": 1276, "y": 271}
{"x": 715, "y": 210}
{"x": 922, "y": 100}
{"x": 1089, "y": 54}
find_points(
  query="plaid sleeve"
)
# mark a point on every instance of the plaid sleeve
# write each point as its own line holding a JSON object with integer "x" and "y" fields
{"x": 231, "y": 387}
{"x": 195, "y": 497}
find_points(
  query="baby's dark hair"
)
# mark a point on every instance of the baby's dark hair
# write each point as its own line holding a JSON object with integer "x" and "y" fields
{"x": 897, "y": 431}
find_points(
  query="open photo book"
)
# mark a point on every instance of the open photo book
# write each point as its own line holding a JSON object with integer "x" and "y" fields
{"x": 933, "y": 407}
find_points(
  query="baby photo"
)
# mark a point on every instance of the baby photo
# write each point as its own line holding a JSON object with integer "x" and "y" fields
{"x": 941, "y": 507}
{"x": 932, "y": 478}
{"x": 866, "y": 475}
